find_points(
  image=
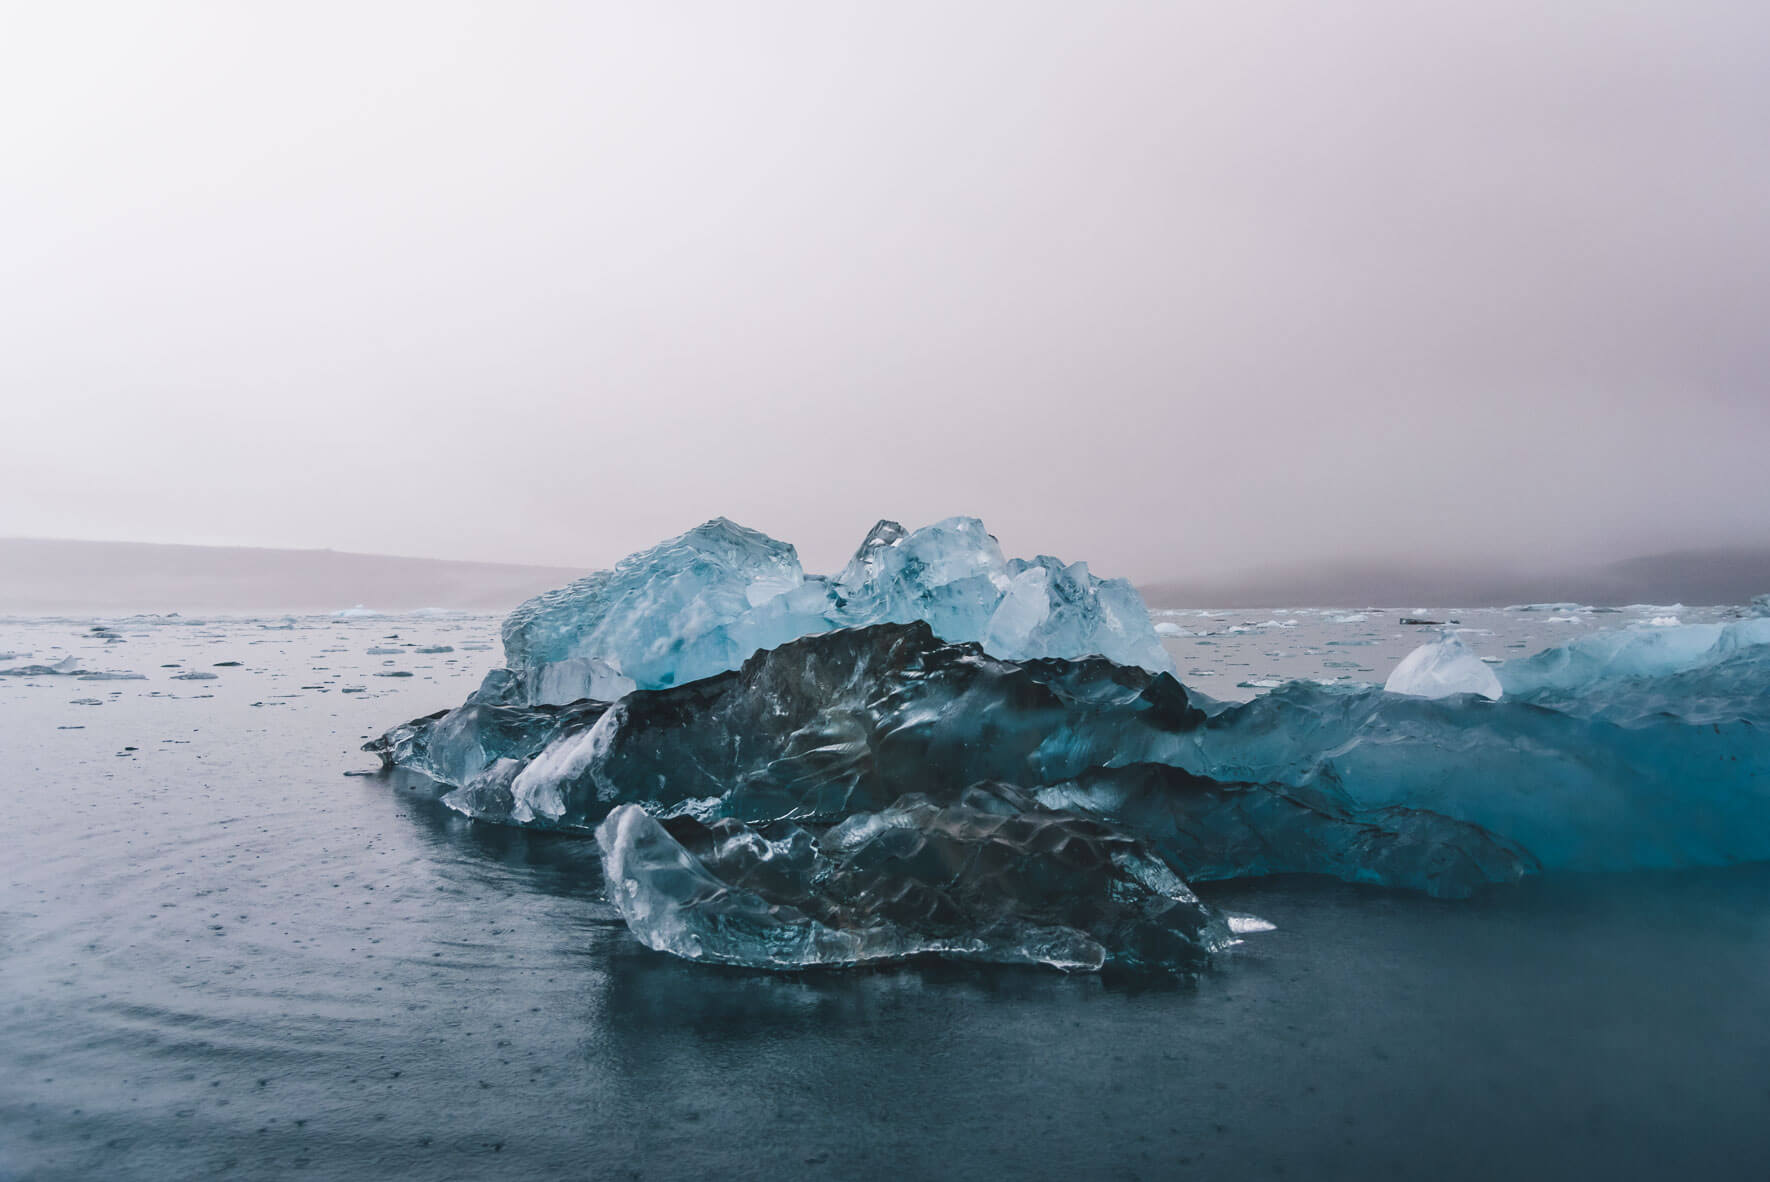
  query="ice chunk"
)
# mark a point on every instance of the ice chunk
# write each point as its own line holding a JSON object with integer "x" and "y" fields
{"x": 1617, "y": 751}
{"x": 685, "y": 609}
{"x": 991, "y": 876}
{"x": 847, "y": 722}
{"x": 454, "y": 747}
{"x": 66, "y": 667}
{"x": 1444, "y": 667}
{"x": 780, "y": 810}
{"x": 701, "y": 603}
{"x": 575, "y": 678}
{"x": 1243, "y": 924}
{"x": 1602, "y": 660}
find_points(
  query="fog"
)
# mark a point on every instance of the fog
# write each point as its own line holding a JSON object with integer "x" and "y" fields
{"x": 1175, "y": 288}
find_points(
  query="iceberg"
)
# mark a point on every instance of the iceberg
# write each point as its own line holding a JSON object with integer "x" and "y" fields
{"x": 701, "y": 603}
{"x": 1444, "y": 667}
{"x": 1440, "y": 795}
{"x": 940, "y": 751}
{"x": 849, "y": 722}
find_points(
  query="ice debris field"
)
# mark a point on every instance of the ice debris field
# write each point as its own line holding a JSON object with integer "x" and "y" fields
{"x": 943, "y": 751}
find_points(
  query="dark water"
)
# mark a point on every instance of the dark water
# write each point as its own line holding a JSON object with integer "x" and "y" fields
{"x": 219, "y": 955}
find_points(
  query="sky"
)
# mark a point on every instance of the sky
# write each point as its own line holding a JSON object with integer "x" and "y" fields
{"x": 1176, "y": 288}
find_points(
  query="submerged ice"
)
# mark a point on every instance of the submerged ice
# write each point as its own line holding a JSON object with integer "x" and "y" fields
{"x": 940, "y": 751}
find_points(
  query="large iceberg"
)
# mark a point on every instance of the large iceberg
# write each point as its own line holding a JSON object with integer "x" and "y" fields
{"x": 828, "y": 726}
{"x": 699, "y": 604}
{"x": 939, "y": 751}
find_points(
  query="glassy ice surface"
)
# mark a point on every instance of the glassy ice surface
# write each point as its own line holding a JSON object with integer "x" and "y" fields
{"x": 701, "y": 603}
{"x": 1632, "y": 748}
{"x": 828, "y": 726}
{"x": 1441, "y": 668}
{"x": 220, "y": 955}
{"x": 990, "y": 876}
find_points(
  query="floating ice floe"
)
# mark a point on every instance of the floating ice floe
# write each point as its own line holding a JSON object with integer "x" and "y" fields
{"x": 66, "y": 667}
{"x": 929, "y": 754}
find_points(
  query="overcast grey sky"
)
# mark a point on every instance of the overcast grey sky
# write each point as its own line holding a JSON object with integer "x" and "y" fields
{"x": 1172, "y": 287}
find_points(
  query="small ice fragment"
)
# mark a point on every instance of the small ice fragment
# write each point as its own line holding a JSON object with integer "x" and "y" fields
{"x": 62, "y": 668}
{"x": 1444, "y": 667}
{"x": 1242, "y": 925}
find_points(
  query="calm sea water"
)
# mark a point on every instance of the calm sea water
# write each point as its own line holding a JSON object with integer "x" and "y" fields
{"x": 220, "y": 955}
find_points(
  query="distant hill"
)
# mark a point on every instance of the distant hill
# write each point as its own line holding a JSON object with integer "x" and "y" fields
{"x": 51, "y": 576}
{"x": 40, "y": 576}
{"x": 1695, "y": 577}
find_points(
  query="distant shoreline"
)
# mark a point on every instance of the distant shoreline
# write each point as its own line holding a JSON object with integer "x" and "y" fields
{"x": 60, "y": 577}
{"x": 41, "y": 577}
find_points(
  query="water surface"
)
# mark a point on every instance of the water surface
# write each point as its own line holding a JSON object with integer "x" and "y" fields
{"x": 221, "y": 955}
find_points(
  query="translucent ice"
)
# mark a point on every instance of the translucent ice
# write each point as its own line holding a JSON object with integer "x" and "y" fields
{"x": 1444, "y": 667}
{"x": 924, "y": 754}
{"x": 66, "y": 667}
{"x": 847, "y": 722}
{"x": 1609, "y": 659}
{"x": 699, "y": 604}
{"x": 990, "y": 876}
{"x": 1602, "y": 755}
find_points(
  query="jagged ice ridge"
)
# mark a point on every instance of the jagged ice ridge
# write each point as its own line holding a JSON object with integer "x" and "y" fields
{"x": 699, "y": 604}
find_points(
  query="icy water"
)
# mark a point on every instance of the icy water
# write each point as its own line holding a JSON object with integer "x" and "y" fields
{"x": 221, "y": 955}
